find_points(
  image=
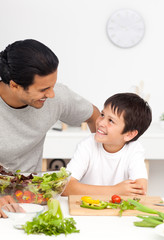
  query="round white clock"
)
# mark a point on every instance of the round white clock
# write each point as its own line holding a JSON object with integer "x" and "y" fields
{"x": 125, "y": 28}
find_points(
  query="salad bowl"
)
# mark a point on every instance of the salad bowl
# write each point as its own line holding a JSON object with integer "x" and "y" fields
{"x": 36, "y": 187}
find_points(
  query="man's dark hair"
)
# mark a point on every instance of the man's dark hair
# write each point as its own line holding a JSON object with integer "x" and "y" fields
{"x": 136, "y": 112}
{"x": 22, "y": 60}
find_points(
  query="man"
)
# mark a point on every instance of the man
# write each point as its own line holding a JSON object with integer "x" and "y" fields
{"x": 31, "y": 102}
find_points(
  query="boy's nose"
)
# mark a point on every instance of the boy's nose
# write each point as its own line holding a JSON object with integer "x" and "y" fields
{"x": 102, "y": 122}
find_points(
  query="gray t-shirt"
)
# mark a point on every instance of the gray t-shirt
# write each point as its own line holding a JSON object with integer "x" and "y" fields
{"x": 23, "y": 131}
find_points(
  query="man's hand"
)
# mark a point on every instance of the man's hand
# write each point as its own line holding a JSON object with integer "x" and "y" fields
{"x": 5, "y": 200}
{"x": 129, "y": 187}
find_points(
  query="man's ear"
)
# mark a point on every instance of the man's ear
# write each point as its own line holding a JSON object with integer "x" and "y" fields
{"x": 13, "y": 85}
{"x": 130, "y": 135}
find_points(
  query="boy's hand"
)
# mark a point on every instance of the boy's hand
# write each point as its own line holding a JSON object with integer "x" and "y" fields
{"x": 5, "y": 200}
{"x": 129, "y": 187}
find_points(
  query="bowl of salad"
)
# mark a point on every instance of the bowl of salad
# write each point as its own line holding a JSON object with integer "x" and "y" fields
{"x": 36, "y": 187}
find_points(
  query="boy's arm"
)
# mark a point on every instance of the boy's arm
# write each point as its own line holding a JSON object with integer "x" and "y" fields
{"x": 142, "y": 182}
{"x": 128, "y": 187}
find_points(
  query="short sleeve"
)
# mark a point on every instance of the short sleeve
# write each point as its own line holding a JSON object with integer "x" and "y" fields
{"x": 78, "y": 165}
{"x": 137, "y": 168}
{"x": 74, "y": 109}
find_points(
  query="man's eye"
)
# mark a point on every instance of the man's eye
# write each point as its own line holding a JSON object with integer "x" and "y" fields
{"x": 102, "y": 115}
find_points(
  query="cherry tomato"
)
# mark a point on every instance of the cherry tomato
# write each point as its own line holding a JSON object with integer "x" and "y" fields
{"x": 116, "y": 199}
{"x": 18, "y": 195}
{"x": 27, "y": 197}
{"x": 40, "y": 199}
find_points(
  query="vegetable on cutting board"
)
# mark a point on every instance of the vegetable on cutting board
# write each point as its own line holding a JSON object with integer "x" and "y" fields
{"x": 115, "y": 203}
{"x": 51, "y": 222}
{"x": 88, "y": 202}
{"x": 116, "y": 199}
{"x": 147, "y": 221}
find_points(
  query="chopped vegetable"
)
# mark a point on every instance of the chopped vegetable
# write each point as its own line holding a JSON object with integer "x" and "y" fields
{"x": 88, "y": 202}
{"x": 34, "y": 188}
{"x": 51, "y": 222}
{"x": 123, "y": 205}
{"x": 142, "y": 208}
{"x": 147, "y": 221}
{"x": 98, "y": 206}
{"x": 19, "y": 194}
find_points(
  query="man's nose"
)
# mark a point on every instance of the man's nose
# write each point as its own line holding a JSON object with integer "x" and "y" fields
{"x": 50, "y": 93}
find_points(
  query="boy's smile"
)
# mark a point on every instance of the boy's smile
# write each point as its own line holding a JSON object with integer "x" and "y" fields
{"x": 109, "y": 128}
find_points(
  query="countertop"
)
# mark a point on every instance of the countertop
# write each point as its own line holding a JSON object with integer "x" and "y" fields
{"x": 91, "y": 227}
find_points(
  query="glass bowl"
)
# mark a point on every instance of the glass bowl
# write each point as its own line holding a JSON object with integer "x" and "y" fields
{"x": 34, "y": 187}
{"x": 20, "y": 213}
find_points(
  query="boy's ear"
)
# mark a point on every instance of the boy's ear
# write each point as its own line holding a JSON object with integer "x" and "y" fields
{"x": 130, "y": 135}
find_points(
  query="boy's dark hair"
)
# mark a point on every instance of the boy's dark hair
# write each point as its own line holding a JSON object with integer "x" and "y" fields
{"x": 136, "y": 112}
{"x": 22, "y": 60}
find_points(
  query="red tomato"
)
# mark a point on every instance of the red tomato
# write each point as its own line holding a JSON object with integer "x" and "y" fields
{"x": 18, "y": 195}
{"x": 27, "y": 197}
{"x": 116, "y": 199}
{"x": 40, "y": 198}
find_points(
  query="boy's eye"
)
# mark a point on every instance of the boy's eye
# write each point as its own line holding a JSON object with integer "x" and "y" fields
{"x": 102, "y": 114}
{"x": 110, "y": 120}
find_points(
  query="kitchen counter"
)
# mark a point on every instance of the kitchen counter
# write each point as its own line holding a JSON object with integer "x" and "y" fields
{"x": 91, "y": 227}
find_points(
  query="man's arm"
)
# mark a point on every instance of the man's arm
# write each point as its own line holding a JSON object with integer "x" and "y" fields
{"x": 92, "y": 120}
{"x": 127, "y": 187}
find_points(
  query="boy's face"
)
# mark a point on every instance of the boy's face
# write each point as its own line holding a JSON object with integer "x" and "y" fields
{"x": 109, "y": 128}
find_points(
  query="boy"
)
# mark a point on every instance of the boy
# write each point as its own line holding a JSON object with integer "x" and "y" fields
{"x": 111, "y": 161}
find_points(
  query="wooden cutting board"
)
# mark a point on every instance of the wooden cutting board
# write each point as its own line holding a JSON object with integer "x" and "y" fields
{"x": 76, "y": 210}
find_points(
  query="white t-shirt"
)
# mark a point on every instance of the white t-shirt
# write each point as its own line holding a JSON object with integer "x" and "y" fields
{"x": 91, "y": 164}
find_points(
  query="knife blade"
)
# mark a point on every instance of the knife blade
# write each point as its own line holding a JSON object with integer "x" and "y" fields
{"x": 159, "y": 204}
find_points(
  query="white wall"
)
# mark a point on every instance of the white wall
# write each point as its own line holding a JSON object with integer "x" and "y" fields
{"x": 89, "y": 63}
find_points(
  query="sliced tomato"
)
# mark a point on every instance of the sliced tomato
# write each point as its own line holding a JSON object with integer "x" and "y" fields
{"x": 18, "y": 194}
{"x": 27, "y": 197}
{"x": 41, "y": 199}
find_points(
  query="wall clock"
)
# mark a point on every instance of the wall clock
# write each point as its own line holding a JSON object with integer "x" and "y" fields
{"x": 125, "y": 28}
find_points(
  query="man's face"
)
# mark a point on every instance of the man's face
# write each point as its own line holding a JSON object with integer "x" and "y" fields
{"x": 37, "y": 93}
{"x": 109, "y": 127}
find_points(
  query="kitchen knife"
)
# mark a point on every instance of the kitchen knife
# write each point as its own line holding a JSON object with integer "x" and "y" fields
{"x": 159, "y": 204}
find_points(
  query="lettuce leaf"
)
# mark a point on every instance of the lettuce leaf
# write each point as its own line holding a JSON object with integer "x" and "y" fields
{"x": 51, "y": 222}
